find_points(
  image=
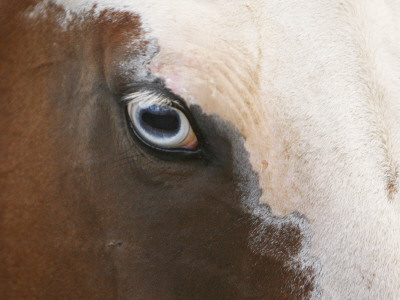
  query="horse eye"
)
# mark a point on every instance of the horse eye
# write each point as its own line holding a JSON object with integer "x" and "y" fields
{"x": 162, "y": 126}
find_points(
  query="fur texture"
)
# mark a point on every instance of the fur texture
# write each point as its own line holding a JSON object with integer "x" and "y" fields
{"x": 314, "y": 87}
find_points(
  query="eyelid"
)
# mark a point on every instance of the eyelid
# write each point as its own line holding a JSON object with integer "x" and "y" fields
{"x": 159, "y": 97}
{"x": 157, "y": 94}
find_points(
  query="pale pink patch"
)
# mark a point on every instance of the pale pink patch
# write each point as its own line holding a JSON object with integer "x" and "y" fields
{"x": 264, "y": 165}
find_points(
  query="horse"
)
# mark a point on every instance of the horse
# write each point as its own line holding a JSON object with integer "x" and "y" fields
{"x": 200, "y": 149}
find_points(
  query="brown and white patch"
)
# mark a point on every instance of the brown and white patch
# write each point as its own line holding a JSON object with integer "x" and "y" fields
{"x": 311, "y": 89}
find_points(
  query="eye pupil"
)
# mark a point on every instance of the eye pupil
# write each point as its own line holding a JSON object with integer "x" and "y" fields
{"x": 161, "y": 122}
{"x": 160, "y": 119}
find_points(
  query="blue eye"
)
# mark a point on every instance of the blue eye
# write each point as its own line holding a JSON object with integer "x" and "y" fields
{"x": 162, "y": 125}
{"x": 161, "y": 121}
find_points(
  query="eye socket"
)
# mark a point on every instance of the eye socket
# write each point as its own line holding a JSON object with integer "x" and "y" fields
{"x": 161, "y": 125}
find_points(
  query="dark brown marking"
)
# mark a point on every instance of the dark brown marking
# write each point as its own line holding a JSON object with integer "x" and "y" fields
{"x": 86, "y": 213}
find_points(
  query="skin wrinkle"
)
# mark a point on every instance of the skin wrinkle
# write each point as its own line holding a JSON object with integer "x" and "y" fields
{"x": 229, "y": 86}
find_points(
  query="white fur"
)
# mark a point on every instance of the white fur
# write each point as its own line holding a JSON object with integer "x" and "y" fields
{"x": 314, "y": 86}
